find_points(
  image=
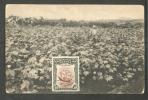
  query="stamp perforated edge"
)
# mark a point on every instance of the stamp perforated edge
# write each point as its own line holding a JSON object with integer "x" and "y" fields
{"x": 78, "y": 89}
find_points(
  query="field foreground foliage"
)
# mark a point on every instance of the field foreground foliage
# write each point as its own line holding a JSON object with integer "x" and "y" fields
{"x": 111, "y": 57}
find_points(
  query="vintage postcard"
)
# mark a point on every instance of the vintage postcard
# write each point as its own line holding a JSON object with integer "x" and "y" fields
{"x": 65, "y": 74}
{"x": 76, "y": 49}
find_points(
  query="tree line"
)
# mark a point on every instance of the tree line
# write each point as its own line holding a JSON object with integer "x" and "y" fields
{"x": 70, "y": 23}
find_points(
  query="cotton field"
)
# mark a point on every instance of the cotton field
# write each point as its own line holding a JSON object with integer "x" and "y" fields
{"x": 111, "y": 57}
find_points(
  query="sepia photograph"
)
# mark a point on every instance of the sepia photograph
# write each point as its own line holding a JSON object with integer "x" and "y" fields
{"x": 74, "y": 49}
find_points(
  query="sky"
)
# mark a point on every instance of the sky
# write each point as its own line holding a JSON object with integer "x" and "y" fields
{"x": 76, "y": 12}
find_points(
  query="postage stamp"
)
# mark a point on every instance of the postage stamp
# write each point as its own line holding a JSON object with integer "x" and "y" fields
{"x": 65, "y": 74}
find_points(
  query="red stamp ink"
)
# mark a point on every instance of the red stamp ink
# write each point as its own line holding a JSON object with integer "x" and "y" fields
{"x": 65, "y": 77}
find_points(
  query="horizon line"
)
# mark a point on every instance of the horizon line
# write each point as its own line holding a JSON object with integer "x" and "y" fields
{"x": 67, "y": 19}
